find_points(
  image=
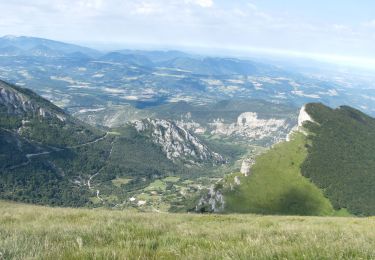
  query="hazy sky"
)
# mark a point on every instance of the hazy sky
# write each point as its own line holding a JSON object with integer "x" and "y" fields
{"x": 332, "y": 29}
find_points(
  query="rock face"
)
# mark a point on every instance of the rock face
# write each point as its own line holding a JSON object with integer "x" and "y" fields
{"x": 16, "y": 102}
{"x": 246, "y": 166}
{"x": 33, "y": 117}
{"x": 250, "y": 126}
{"x": 247, "y": 126}
{"x": 213, "y": 201}
{"x": 303, "y": 117}
{"x": 178, "y": 143}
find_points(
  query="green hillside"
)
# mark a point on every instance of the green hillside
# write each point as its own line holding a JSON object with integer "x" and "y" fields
{"x": 276, "y": 185}
{"x": 49, "y": 157}
{"x": 32, "y": 117}
{"x": 35, "y": 232}
{"x": 341, "y": 157}
{"x": 333, "y": 167}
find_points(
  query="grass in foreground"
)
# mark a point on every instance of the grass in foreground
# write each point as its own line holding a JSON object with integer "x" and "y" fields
{"x": 36, "y": 232}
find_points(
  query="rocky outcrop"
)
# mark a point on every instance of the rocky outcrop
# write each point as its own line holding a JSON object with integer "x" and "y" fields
{"x": 18, "y": 103}
{"x": 213, "y": 201}
{"x": 178, "y": 143}
{"x": 246, "y": 166}
{"x": 303, "y": 116}
{"x": 248, "y": 126}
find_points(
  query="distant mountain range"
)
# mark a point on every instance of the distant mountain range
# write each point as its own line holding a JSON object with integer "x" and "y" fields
{"x": 32, "y": 46}
{"x": 79, "y": 78}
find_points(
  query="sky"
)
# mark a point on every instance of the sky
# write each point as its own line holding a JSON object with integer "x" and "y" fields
{"x": 336, "y": 30}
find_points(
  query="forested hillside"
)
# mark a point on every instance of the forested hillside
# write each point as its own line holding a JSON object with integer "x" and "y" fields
{"x": 334, "y": 151}
{"x": 49, "y": 157}
{"x": 341, "y": 157}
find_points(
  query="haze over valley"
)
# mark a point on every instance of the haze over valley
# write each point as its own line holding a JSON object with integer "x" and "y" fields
{"x": 197, "y": 129}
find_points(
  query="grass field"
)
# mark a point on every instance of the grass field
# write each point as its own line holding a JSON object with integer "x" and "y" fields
{"x": 276, "y": 185}
{"x": 36, "y": 232}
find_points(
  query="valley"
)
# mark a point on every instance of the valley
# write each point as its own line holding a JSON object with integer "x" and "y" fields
{"x": 90, "y": 80}
{"x": 194, "y": 129}
{"x": 166, "y": 131}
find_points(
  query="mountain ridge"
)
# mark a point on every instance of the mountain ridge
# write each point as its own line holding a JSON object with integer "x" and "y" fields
{"x": 49, "y": 157}
{"x": 26, "y": 43}
{"x": 326, "y": 167}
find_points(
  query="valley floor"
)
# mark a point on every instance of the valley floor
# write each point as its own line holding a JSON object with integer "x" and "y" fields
{"x": 36, "y": 232}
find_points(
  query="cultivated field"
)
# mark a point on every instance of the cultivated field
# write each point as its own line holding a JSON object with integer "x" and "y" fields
{"x": 36, "y": 232}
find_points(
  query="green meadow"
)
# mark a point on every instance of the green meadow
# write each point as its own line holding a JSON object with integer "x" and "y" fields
{"x": 276, "y": 185}
{"x": 37, "y": 232}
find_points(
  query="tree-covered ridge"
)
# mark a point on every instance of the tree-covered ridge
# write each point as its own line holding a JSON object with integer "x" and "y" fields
{"x": 341, "y": 157}
{"x": 31, "y": 116}
{"x": 49, "y": 157}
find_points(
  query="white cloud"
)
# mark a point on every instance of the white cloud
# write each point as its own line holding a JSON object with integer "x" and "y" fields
{"x": 147, "y": 8}
{"x": 370, "y": 24}
{"x": 252, "y": 6}
{"x": 94, "y": 4}
{"x": 202, "y": 3}
{"x": 202, "y": 23}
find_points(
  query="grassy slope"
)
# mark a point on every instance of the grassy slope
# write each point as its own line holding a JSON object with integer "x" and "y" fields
{"x": 276, "y": 185}
{"x": 36, "y": 232}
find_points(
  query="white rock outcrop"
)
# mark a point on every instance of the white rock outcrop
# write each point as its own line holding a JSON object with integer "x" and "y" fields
{"x": 303, "y": 117}
{"x": 18, "y": 103}
{"x": 249, "y": 126}
{"x": 213, "y": 201}
{"x": 177, "y": 143}
{"x": 246, "y": 166}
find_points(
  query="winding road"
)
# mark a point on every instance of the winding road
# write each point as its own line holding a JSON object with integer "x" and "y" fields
{"x": 97, "y": 173}
{"x": 90, "y": 186}
{"x": 32, "y": 155}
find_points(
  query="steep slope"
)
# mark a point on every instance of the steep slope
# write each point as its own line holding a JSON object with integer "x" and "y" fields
{"x": 177, "y": 143}
{"x": 275, "y": 184}
{"x": 239, "y": 120}
{"x": 341, "y": 157}
{"x": 330, "y": 156}
{"x": 48, "y": 157}
{"x": 27, "y": 114}
{"x": 33, "y": 132}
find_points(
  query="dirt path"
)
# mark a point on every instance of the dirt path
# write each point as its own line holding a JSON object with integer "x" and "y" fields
{"x": 98, "y": 172}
